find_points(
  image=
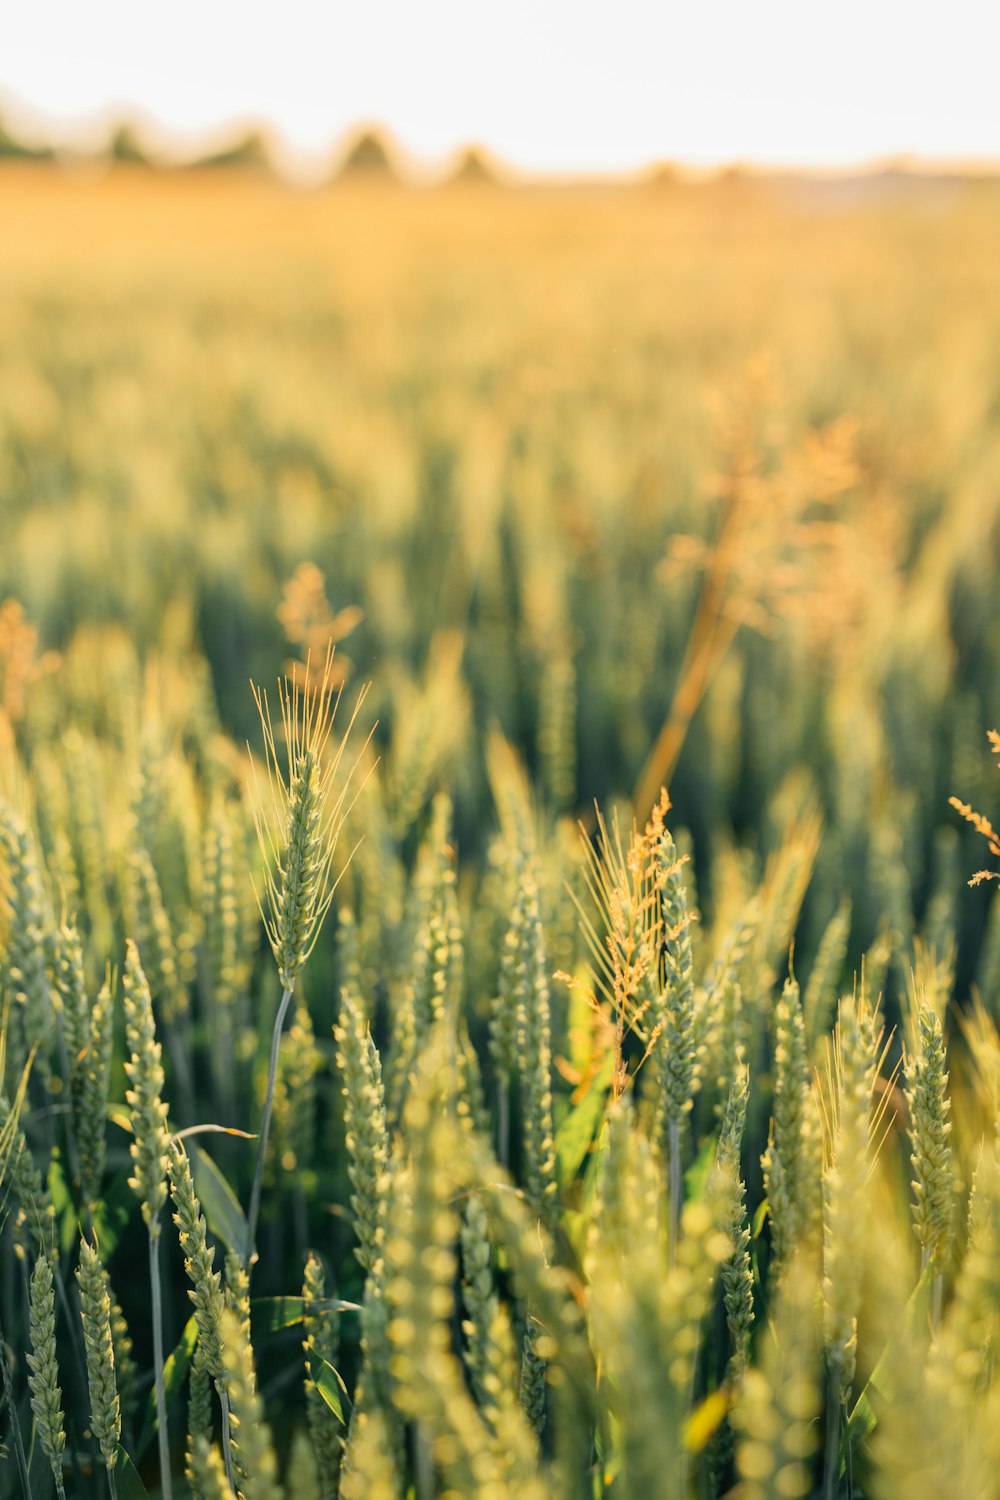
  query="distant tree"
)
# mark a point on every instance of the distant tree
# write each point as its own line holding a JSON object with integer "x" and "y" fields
{"x": 249, "y": 152}
{"x": 368, "y": 155}
{"x": 125, "y": 146}
{"x": 473, "y": 166}
{"x": 663, "y": 175}
{"x": 14, "y": 149}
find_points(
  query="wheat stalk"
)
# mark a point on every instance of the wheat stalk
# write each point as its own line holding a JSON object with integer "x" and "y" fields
{"x": 298, "y": 821}
{"x": 320, "y": 1330}
{"x": 149, "y": 1151}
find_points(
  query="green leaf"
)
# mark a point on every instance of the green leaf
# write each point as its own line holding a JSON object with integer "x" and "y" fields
{"x": 127, "y": 1482}
{"x": 580, "y": 1027}
{"x": 705, "y": 1420}
{"x": 271, "y": 1314}
{"x": 860, "y": 1426}
{"x": 11, "y": 1127}
{"x": 577, "y": 1131}
{"x": 174, "y": 1375}
{"x": 223, "y": 1214}
{"x": 697, "y": 1175}
{"x": 121, "y": 1115}
{"x": 62, "y": 1202}
{"x": 329, "y": 1384}
{"x": 112, "y": 1212}
{"x": 763, "y": 1209}
{"x": 608, "y": 1445}
{"x": 863, "y": 1418}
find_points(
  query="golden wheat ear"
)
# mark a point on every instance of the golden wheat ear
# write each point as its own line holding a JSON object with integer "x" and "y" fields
{"x": 980, "y": 823}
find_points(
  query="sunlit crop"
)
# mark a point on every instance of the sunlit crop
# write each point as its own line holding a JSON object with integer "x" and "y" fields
{"x": 572, "y": 1070}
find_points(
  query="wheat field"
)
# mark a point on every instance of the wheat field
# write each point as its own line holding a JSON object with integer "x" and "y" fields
{"x": 499, "y": 937}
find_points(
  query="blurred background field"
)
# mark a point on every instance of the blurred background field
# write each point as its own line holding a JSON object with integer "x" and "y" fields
{"x": 600, "y": 486}
{"x": 486, "y": 414}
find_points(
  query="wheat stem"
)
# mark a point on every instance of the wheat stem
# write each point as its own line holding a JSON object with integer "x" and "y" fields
{"x": 675, "y": 1186}
{"x": 156, "y": 1296}
{"x": 503, "y": 1121}
{"x": 423, "y": 1465}
{"x": 832, "y": 1436}
{"x": 937, "y": 1297}
{"x": 227, "y": 1437}
{"x": 265, "y": 1126}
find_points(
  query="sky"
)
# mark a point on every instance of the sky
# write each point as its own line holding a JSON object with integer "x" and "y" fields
{"x": 545, "y": 85}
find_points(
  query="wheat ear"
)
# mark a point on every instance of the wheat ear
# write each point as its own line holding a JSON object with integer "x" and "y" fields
{"x": 254, "y": 1452}
{"x": 321, "y": 1338}
{"x": 298, "y": 825}
{"x": 43, "y": 1377}
{"x": 95, "y": 1311}
{"x": 931, "y": 1158}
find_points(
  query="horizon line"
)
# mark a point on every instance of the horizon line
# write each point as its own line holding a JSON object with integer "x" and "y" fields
{"x": 163, "y": 147}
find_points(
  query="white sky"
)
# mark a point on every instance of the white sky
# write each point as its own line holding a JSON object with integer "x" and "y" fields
{"x": 548, "y": 85}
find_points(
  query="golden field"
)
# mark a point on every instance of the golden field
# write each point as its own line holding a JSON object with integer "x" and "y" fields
{"x": 614, "y": 1146}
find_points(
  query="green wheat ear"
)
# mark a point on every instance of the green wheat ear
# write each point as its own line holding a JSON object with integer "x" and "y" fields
{"x": 95, "y": 1311}
{"x": 321, "y": 1338}
{"x": 783, "y": 1162}
{"x": 252, "y": 1446}
{"x": 237, "y": 1294}
{"x": 844, "y": 1202}
{"x": 736, "y": 1271}
{"x": 149, "y": 1151}
{"x": 372, "y": 1474}
{"x": 27, "y": 937}
{"x": 71, "y": 988}
{"x": 199, "y": 1260}
{"x": 150, "y": 1138}
{"x": 91, "y": 1095}
{"x": 20, "y": 1175}
{"x": 199, "y": 1414}
{"x": 298, "y": 827}
{"x": 679, "y": 1043}
{"x": 367, "y": 1131}
{"x": 779, "y": 1403}
{"x": 300, "y": 818}
{"x": 43, "y": 1379}
{"x": 208, "y": 1472}
{"x": 927, "y": 1095}
{"x": 534, "y": 1062}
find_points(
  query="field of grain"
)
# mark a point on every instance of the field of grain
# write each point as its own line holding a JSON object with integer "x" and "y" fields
{"x": 567, "y": 1065}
